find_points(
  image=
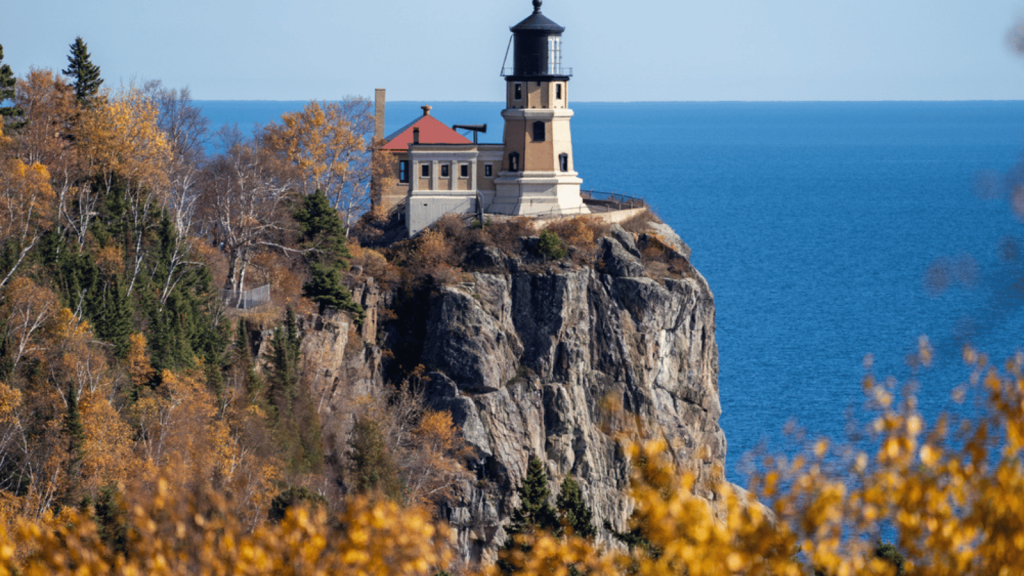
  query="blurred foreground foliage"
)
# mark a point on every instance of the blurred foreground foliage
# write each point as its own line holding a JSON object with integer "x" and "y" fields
{"x": 952, "y": 498}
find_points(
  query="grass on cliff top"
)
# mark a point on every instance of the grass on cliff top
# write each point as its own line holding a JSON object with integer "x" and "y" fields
{"x": 455, "y": 246}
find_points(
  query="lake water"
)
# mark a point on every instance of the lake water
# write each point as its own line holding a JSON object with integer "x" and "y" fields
{"x": 816, "y": 225}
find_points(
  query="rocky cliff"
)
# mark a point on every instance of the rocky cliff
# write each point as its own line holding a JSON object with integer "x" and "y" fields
{"x": 533, "y": 360}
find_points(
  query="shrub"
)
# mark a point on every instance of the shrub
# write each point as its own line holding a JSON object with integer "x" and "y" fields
{"x": 639, "y": 223}
{"x": 550, "y": 246}
{"x": 507, "y": 235}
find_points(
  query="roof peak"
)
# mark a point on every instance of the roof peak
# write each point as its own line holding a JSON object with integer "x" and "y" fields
{"x": 536, "y": 6}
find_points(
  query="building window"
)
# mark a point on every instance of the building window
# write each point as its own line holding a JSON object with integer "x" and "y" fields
{"x": 519, "y": 91}
{"x": 538, "y": 131}
{"x": 403, "y": 171}
{"x": 558, "y": 91}
{"x": 425, "y": 170}
{"x": 513, "y": 162}
{"x": 444, "y": 170}
{"x": 488, "y": 171}
{"x": 563, "y": 162}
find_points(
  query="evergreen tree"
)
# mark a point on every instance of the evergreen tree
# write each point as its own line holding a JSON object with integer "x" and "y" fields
{"x": 323, "y": 234}
{"x": 243, "y": 362}
{"x": 293, "y": 415}
{"x": 534, "y": 512}
{"x": 114, "y": 317}
{"x": 7, "y": 82}
{"x": 74, "y": 433}
{"x": 891, "y": 554}
{"x": 573, "y": 511}
{"x": 112, "y": 517}
{"x": 373, "y": 468}
{"x": 85, "y": 74}
{"x": 292, "y": 497}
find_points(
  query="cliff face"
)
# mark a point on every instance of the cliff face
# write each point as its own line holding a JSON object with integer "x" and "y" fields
{"x": 533, "y": 362}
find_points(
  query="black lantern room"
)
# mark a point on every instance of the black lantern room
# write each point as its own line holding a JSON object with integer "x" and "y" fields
{"x": 538, "y": 48}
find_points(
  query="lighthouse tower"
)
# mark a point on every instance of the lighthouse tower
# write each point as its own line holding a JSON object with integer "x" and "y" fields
{"x": 537, "y": 175}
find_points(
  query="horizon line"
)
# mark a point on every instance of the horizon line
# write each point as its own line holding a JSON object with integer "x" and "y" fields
{"x": 646, "y": 101}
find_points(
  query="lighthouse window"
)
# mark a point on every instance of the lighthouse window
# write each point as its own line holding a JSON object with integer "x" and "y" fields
{"x": 424, "y": 170}
{"x": 538, "y": 131}
{"x": 563, "y": 162}
{"x": 444, "y": 170}
{"x": 519, "y": 91}
{"x": 403, "y": 171}
{"x": 463, "y": 170}
{"x": 488, "y": 171}
{"x": 513, "y": 162}
{"x": 558, "y": 91}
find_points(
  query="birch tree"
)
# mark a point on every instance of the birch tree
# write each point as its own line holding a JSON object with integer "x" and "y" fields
{"x": 329, "y": 144}
{"x": 186, "y": 130}
{"x": 245, "y": 198}
{"x": 123, "y": 148}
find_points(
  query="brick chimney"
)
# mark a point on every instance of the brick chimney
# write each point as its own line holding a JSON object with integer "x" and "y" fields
{"x": 378, "y": 115}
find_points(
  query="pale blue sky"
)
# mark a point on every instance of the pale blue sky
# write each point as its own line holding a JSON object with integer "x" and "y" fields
{"x": 680, "y": 50}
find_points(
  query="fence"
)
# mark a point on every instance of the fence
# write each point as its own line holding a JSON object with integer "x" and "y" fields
{"x": 246, "y": 299}
{"x": 610, "y": 201}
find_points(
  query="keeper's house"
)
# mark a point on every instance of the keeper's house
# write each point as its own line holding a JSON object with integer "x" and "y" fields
{"x": 439, "y": 171}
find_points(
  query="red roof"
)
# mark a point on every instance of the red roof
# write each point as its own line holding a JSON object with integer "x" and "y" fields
{"x": 432, "y": 131}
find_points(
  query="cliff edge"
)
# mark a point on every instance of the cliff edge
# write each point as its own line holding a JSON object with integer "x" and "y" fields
{"x": 556, "y": 359}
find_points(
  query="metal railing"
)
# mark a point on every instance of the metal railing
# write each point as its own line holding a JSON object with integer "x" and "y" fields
{"x": 551, "y": 71}
{"x": 246, "y": 299}
{"x": 610, "y": 201}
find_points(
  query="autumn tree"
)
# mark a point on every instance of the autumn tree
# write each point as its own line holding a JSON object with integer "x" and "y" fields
{"x": 27, "y": 210}
{"x": 432, "y": 464}
{"x": 246, "y": 201}
{"x": 84, "y": 74}
{"x": 126, "y": 152}
{"x": 186, "y": 130}
{"x": 329, "y": 143}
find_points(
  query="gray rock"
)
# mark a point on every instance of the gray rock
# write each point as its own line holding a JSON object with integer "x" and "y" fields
{"x": 669, "y": 237}
{"x": 618, "y": 261}
{"x": 485, "y": 257}
{"x": 625, "y": 239}
{"x": 525, "y": 362}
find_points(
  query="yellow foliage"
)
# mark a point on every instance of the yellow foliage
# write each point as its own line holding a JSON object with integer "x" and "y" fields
{"x": 176, "y": 533}
{"x": 27, "y": 201}
{"x": 108, "y": 444}
{"x": 119, "y": 134}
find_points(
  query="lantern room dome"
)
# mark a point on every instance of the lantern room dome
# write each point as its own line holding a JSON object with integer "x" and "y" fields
{"x": 538, "y": 23}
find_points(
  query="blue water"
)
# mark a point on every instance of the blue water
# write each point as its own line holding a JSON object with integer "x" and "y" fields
{"x": 816, "y": 225}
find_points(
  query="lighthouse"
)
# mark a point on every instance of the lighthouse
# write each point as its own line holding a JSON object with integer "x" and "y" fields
{"x": 537, "y": 175}
{"x": 437, "y": 171}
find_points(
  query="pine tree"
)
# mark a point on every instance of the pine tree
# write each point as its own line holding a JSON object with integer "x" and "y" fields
{"x": 74, "y": 433}
{"x": 573, "y": 511}
{"x": 373, "y": 468}
{"x": 114, "y": 318}
{"x": 112, "y": 518}
{"x": 84, "y": 73}
{"x": 293, "y": 415}
{"x": 8, "y": 114}
{"x": 534, "y": 512}
{"x": 323, "y": 234}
